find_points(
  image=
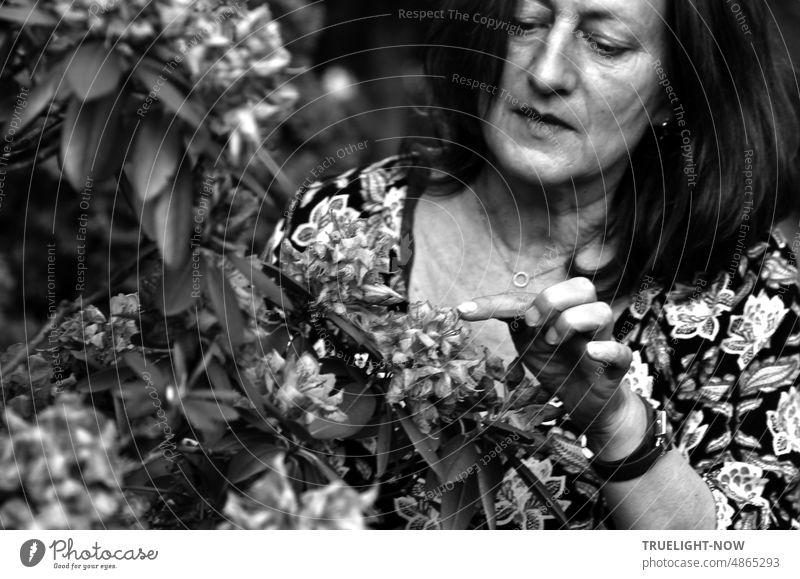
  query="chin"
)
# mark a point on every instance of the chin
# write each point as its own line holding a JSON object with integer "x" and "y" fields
{"x": 532, "y": 166}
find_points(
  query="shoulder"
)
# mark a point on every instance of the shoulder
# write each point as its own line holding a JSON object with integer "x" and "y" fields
{"x": 376, "y": 193}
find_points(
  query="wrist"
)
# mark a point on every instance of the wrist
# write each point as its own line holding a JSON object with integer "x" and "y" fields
{"x": 620, "y": 434}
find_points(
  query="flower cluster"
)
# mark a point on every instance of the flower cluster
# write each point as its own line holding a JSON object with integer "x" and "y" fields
{"x": 90, "y": 336}
{"x": 298, "y": 389}
{"x": 233, "y": 56}
{"x": 63, "y": 471}
{"x": 435, "y": 364}
{"x": 139, "y": 21}
{"x": 129, "y": 20}
{"x": 345, "y": 265}
{"x": 240, "y": 67}
{"x": 272, "y": 503}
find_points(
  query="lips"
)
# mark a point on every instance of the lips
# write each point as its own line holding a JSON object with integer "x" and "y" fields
{"x": 535, "y": 116}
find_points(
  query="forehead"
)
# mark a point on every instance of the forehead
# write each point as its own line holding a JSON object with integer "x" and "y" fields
{"x": 636, "y": 14}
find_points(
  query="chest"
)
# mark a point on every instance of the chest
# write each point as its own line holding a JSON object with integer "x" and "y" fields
{"x": 454, "y": 263}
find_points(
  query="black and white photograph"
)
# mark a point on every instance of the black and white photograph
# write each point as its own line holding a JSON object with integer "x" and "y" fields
{"x": 399, "y": 265}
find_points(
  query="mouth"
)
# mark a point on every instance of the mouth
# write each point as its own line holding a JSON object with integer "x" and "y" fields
{"x": 535, "y": 117}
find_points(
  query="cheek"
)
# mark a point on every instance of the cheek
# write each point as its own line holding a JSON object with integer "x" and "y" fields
{"x": 625, "y": 111}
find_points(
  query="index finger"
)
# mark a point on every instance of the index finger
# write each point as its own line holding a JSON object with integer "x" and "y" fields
{"x": 511, "y": 305}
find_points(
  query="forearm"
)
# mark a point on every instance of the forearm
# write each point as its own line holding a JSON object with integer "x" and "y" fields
{"x": 670, "y": 495}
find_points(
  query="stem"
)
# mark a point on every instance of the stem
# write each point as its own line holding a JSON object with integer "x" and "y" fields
{"x": 277, "y": 173}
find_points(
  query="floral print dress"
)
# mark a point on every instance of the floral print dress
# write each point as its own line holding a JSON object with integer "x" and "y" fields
{"x": 720, "y": 353}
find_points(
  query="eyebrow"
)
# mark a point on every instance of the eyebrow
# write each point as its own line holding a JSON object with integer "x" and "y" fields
{"x": 590, "y": 15}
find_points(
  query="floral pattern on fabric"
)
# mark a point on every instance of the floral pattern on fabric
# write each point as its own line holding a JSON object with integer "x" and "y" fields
{"x": 719, "y": 353}
{"x": 752, "y": 331}
{"x": 516, "y": 505}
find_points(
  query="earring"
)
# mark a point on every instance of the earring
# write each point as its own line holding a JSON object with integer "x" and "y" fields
{"x": 665, "y": 130}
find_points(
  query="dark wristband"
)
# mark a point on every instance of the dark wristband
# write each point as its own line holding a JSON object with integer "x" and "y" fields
{"x": 653, "y": 446}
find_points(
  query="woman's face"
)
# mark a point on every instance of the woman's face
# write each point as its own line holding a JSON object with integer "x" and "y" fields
{"x": 579, "y": 89}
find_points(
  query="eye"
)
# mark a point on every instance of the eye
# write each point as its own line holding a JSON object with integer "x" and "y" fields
{"x": 601, "y": 47}
{"x": 530, "y": 25}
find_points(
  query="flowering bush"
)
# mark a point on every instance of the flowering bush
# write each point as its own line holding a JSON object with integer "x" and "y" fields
{"x": 220, "y": 385}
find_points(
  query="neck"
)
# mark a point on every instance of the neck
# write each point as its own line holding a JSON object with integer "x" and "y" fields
{"x": 524, "y": 215}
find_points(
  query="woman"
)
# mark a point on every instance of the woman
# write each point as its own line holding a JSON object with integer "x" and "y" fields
{"x": 599, "y": 205}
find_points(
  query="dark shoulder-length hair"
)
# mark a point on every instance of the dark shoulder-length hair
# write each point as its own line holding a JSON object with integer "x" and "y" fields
{"x": 694, "y": 198}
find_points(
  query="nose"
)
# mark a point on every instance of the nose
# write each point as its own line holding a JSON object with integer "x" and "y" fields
{"x": 552, "y": 70}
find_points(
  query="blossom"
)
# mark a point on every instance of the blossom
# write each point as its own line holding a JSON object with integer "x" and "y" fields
{"x": 298, "y": 389}
{"x": 750, "y": 332}
{"x": 744, "y": 484}
{"x": 778, "y": 271}
{"x": 784, "y": 423}
{"x": 343, "y": 265}
{"x": 272, "y": 503}
{"x": 90, "y": 336}
{"x": 638, "y": 378}
{"x": 63, "y": 472}
{"x": 698, "y": 317}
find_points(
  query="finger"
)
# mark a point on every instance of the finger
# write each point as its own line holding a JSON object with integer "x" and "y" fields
{"x": 615, "y": 358}
{"x": 557, "y": 298}
{"x": 595, "y": 319}
{"x": 510, "y": 306}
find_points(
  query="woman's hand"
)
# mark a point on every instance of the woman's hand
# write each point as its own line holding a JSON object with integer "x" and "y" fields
{"x": 564, "y": 335}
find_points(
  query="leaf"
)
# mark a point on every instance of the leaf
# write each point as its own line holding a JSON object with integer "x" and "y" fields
{"x": 459, "y": 458}
{"x": 251, "y": 462}
{"x": 178, "y": 289}
{"x": 146, "y": 370}
{"x": 207, "y": 416}
{"x": 459, "y": 504}
{"x": 355, "y": 333}
{"x": 149, "y": 73}
{"x": 40, "y": 97}
{"x": 30, "y": 16}
{"x": 692, "y": 439}
{"x": 490, "y": 477}
{"x": 221, "y": 396}
{"x": 168, "y": 220}
{"x": 88, "y": 141}
{"x": 424, "y": 445}
{"x": 104, "y": 380}
{"x": 154, "y": 158}
{"x": 224, "y": 303}
{"x": 218, "y": 378}
{"x": 93, "y": 72}
{"x": 358, "y": 404}
{"x": 320, "y": 465}
{"x": 384, "y": 443}
{"x": 769, "y": 378}
{"x": 265, "y": 286}
{"x": 250, "y": 391}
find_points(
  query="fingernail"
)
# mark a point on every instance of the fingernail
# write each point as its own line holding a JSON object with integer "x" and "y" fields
{"x": 532, "y": 317}
{"x": 467, "y": 308}
{"x": 599, "y": 351}
{"x": 551, "y": 337}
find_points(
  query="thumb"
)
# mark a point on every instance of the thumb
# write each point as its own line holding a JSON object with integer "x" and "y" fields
{"x": 616, "y": 358}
